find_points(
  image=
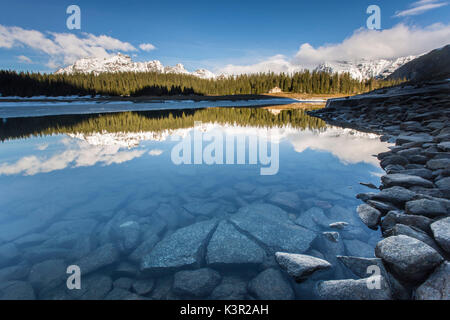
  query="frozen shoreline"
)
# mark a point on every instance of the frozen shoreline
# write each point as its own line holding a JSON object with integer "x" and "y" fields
{"x": 47, "y": 108}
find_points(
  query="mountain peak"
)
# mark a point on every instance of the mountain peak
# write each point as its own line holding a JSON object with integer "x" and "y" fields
{"x": 365, "y": 69}
{"x": 124, "y": 63}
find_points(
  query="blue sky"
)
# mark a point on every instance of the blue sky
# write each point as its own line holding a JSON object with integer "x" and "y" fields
{"x": 212, "y": 34}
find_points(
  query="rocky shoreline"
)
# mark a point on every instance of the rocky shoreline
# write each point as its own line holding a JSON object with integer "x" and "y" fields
{"x": 413, "y": 207}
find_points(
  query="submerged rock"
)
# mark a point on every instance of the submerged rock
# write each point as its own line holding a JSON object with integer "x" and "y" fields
{"x": 271, "y": 285}
{"x": 357, "y": 248}
{"x": 197, "y": 283}
{"x": 8, "y": 254}
{"x": 47, "y": 274}
{"x": 271, "y": 226}
{"x": 286, "y": 199}
{"x": 313, "y": 219}
{"x": 201, "y": 208}
{"x": 183, "y": 249}
{"x": 300, "y": 266}
{"x": 229, "y": 247}
{"x": 144, "y": 248}
{"x": 99, "y": 258}
{"x": 409, "y": 258}
{"x": 369, "y": 215}
{"x": 338, "y": 225}
{"x": 127, "y": 235}
{"x": 350, "y": 289}
{"x": 359, "y": 265}
{"x": 17, "y": 290}
{"x": 143, "y": 286}
{"x": 231, "y": 288}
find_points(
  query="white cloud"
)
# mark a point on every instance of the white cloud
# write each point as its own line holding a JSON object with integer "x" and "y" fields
{"x": 349, "y": 146}
{"x": 420, "y": 7}
{"x": 399, "y": 41}
{"x": 24, "y": 59}
{"x": 77, "y": 154}
{"x": 155, "y": 152}
{"x": 62, "y": 48}
{"x": 276, "y": 64}
{"x": 147, "y": 46}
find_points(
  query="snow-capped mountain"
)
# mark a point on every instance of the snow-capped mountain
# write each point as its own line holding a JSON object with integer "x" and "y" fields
{"x": 361, "y": 70}
{"x": 366, "y": 69}
{"x": 124, "y": 63}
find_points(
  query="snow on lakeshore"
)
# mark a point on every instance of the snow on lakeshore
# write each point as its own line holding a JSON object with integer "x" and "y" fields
{"x": 48, "y": 108}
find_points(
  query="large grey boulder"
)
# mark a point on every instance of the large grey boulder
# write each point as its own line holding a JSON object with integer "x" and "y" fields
{"x": 416, "y": 138}
{"x": 365, "y": 267}
{"x": 437, "y": 286}
{"x": 271, "y": 285}
{"x": 300, "y": 266}
{"x": 229, "y": 247}
{"x": 436, "y": 164}
{"x": 444, "y": 146}
{"x": 425, "y": 207}
{"x": 404, "y": 180}
{"x": 401, "y": 229}
{"x": 444, "y": 186}
{"x": 409, "y": 258}
{"x": 197, "y": 283}
{"x": 420, "y": 172}
{"x": 393, "y": 159}
{"x": 350, "y": 289}
{"x": 369, "y": 215}
{"x": 383, "y": 207}
{"x": 184, "y": 249}
{"x": 395, "y": 217}
{"x": 397, "y": 195}
{"x": 271, "y": 226}
{"x": 441, "y": 233}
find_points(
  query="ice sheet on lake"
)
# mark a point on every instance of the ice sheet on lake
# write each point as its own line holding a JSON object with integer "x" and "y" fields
{"x": 46, "y": 108}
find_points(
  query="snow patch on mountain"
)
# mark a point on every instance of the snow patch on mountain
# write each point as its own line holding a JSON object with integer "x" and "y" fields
{"x": 366, "y": 69}
{"x": 361, "y": 70}
{"x": 124, "y": 63}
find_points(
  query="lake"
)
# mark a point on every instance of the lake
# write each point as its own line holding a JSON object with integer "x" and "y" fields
{"x": 179, "y": 204}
